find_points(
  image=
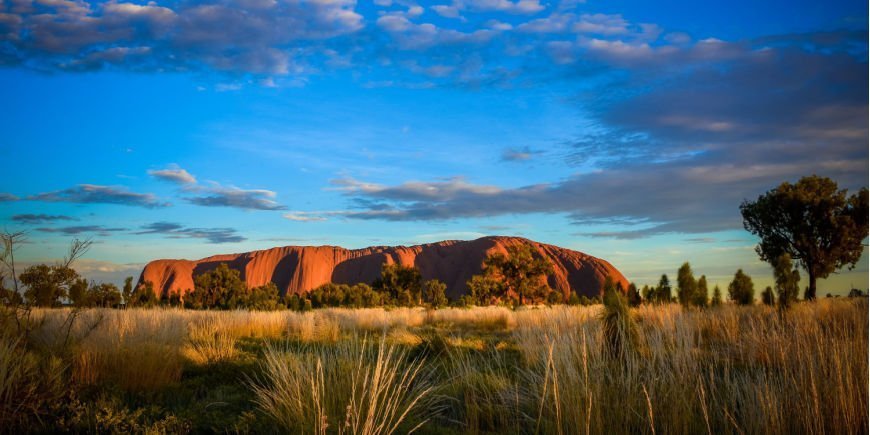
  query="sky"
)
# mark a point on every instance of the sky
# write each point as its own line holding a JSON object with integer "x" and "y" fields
{"x": 629, "y": 130}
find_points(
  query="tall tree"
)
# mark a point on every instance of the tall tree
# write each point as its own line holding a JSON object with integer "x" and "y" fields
{"x": 741, "y": 290}
{"x": 11, "y": 242}
{"x": 701, "y": 292}
{"x": 686, "y": 285}
{"x": 787, "y": 280}
{"x": 663, "y": 290}
{"x": 768, "y": 297}
{"x": 716, "y": 300}
{"x": 813, "y": 221}
{"x": 633, "y": 295}
{"x": 127, "y": 293}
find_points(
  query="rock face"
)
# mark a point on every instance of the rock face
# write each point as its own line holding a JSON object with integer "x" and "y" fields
{"x": 298, "y": 269}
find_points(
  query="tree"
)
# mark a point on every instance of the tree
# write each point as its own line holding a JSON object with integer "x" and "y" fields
{"x": 768, "y": 297}
{"x": 701, "y": 292}
{"x": 521, "y": 271}
{"x": 717, "y": 297}
{"x": 813, "y": 221}
{"x": 47, "y": 285}
{"x": 787, "y": 280}
{"x": 686, "y": 285}
{"x": 264, "y": 297}
{"x": 403, "y": 284}
{"x": 649, "y": 293}
{"x": 663, "y": 290}
{"x": 220, "y": 288}
{"x": 104, "y": 295}
{"x": 78, "y": 293}
{"x": 434, "y": 293}
{"x": 633, "y": 295}
{"x": 573, "y": 299}
{"x": 741, "y": 290}
{"x": 144, "y": 296}
{"x": 11, "y": 242}
{"x": 127, "y": 293}
{"x": 485, "y": 289}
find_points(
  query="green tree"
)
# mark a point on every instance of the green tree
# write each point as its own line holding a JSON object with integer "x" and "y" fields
{"x": 104, "y": 295}
{"x": 741, "y": 290}
{"x": 220, "y": 288}
{"x": 663, "y": 290}
{"x": 649, "y": 293}
{"x": 485, "y": 290}
{"x": 686, "y": 285}
{"x": 79, "y": 294}
{"x": 403, "y": 284}
{"x": 47, "y": 285}
{"x": 144, "y": 296}
{"x": 633, "y": 295}
{"x": 434, "y": 293}
{"x": 813, "y": 221}
{"x": 767, "y": 296}
{"x": 701, "y": 293}
{"x": 127, "y": 293}
{"x": 521, "y": 271}
{"x": 717, "y": 297}
{"x": 787, "y": 280}
{"x": 264, "y": 297}
{"x": 573, "y": 299}
{"x": 555, "y": 297}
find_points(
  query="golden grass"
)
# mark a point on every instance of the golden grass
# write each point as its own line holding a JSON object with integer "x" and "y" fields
{"x": 347, "y": 388}
{"x": 545, "y": 369}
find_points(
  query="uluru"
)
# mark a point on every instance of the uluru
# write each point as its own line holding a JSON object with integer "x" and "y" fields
{"x": 299, "y": 269}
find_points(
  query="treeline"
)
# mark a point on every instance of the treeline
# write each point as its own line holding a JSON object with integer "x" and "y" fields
{"x": 516, "y": 278}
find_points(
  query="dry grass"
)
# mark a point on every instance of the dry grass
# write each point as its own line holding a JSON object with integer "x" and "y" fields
{"x": 547, "y": 370}
{"x": 348, "y": 388}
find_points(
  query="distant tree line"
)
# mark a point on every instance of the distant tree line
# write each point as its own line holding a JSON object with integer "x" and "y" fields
{"x": 811, "y": 224}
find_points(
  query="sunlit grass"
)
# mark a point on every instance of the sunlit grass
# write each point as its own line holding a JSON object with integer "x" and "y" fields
{"x": 480, "y": 370}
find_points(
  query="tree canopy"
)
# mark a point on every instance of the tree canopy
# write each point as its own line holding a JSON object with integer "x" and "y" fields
{"x": 813, "y": 221}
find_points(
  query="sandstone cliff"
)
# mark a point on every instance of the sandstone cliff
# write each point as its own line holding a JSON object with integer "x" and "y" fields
{"x": 298, "y": 269}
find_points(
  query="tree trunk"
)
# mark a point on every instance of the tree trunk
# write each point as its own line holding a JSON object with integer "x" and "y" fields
{"x": 811, "y": 291}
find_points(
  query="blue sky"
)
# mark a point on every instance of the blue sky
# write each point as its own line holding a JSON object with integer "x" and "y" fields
{"x": 629, "y": 130}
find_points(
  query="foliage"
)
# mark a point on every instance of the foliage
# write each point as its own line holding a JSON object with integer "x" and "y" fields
{"x": 573, "y": 299}
{"x": 518, "y": 276}
{"x": 434, "y": 293}
{"x": 768, "y": 297}
{"x": 144, "y": 296}
{"x": 716, "y": 300}
{"x": 485, "y": 290}
{"x": 220, "y": 288}
{"x": 701, "y": 293}
{"x": 787, "y": 280}
{"x": 662, "y": 292}
{"x": 104, "y": 294}
{"x": 813, "y": 221}
{"x": 633, "y": 295}
{"x": 47, "y": 285}
{"x": 402, "y": 285}
{"x": 686, "y": 285}
{"x": 741, "y": 290}
{"x": 127, "y": 292}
